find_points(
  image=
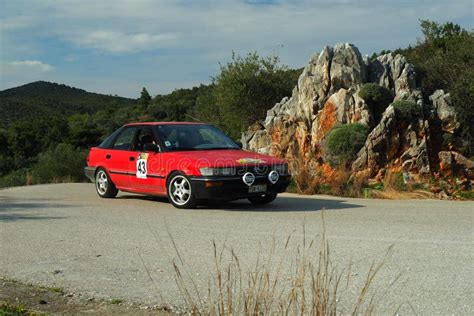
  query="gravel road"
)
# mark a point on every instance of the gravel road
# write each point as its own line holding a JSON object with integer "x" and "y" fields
{"x": 64, "y": 235}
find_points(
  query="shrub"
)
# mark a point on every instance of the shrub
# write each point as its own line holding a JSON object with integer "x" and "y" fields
{"x": 448, "y": 139}
{"x": 407, "y": 110}
{"x": 344, "y": 141}
{"x": 377, "y": 98}
{"x": 62, "y": 163}
{"x": 14, "y": 179}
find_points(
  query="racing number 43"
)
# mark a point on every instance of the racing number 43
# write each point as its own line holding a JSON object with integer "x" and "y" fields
{"x": 141, "y": 165}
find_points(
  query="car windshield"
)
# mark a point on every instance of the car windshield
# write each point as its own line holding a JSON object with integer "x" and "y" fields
{"x": 180, "y": 137}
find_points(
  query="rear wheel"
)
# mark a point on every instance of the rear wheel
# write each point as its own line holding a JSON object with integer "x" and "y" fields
{"x": 180, "y": 192}
{"x": 103, "y": 185}
{"x": 263, "y": 198}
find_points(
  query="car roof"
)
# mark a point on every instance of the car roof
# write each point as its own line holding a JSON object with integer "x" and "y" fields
{"x": 166, "y": 123}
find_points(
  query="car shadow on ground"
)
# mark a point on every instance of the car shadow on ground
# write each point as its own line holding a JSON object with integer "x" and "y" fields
{"x": 14, "y": 210}
{"x": 285, "y": 204}
{"x": 281, "y": 204}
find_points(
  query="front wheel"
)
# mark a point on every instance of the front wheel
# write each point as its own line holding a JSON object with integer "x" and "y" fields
{"x": 180, "y": 192}
{"x": 103, "y": 185}
{"x": 263, "y": 198}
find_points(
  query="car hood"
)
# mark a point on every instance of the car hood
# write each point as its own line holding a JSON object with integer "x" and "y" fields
{"x": 227, "y": 158}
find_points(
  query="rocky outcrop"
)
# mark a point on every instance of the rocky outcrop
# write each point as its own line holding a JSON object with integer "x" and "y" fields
{"x": 396, "y": 74}
{"x": 445, "y": 111}
{"x": 394, "y": 142}
{"x": 453, "y": 163}
{"x": 327, "y": 94}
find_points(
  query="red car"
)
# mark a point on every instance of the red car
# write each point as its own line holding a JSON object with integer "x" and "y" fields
{"x": 189, "y": 162}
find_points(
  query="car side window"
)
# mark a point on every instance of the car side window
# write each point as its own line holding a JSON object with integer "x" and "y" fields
{"x": 125, "y": 139}
{"x": 144, "y": 140}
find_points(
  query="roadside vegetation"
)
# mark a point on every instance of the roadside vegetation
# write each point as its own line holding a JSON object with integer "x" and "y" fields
{"x": 377, "y": 98}
{"x": 344, "y": 141}
{"x": 9, "y": 310}
{"x": 314, "y": 287}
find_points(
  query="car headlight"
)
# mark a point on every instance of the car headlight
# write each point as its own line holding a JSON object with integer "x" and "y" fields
{"x": 217, "y": 171}
{"x": 281, "y": 169}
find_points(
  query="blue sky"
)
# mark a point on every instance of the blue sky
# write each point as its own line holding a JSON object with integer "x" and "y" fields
{"x": 118, "y": 47}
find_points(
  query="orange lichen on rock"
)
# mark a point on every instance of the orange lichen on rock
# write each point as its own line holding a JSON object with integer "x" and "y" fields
{"x": 327, "y": 120}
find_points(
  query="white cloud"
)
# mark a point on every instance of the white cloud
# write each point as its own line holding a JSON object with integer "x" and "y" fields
{"x": 185, "y": 39}
{"x": 71, "y": 58}
{"x": 30, "y": 65}
{"x": 15, "y": 23}
{"x": 118, "y": 42}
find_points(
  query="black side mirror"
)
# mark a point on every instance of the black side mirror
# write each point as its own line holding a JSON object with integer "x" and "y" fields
{"x": 151, "y": 147}
{"x": 239, "y": 144}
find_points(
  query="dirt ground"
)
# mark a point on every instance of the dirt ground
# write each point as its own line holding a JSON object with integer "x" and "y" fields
{"x": 35, "y": 300}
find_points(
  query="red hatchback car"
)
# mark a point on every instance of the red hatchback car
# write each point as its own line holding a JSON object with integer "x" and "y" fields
{"x": 189, "y": 162}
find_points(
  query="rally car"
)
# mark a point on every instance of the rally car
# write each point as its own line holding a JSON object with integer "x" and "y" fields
{"x": 190, "y": 163}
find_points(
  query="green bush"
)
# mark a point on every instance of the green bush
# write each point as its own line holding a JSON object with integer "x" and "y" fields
{"x": 377, "y": 98}
{"x": 407, "y": 110}
{"x": 13, "y": 179}
{"x": 344, "y": 141}
{"x": 448, "y": 138}
{"x": 62, "y": 163}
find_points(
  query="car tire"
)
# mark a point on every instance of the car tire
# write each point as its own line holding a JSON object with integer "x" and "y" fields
{"x": 103, "y": 184}
{"x": 180, "y": 191}
{"x": 262, "y": 199}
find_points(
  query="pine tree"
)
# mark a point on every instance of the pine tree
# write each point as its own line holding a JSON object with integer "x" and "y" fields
{"x": 144, "y": 100}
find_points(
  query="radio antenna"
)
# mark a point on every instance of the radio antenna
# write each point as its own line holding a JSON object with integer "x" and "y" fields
{"x": 192, "y": 117}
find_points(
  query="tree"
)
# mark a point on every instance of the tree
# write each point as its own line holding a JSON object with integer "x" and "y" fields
{"x": 175, "y": 106}
{"x": 144, "y": 100}
{"x": 246, "y": 88}
{"x": 6, "y": 161}
{"x": 83, "y": 131}
{"x": 444, "y": 59}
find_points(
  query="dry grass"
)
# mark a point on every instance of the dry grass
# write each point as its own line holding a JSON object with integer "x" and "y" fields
{"x": 313, "y": 287}
{"x": 392, "y": 194}
{"x": 339, "y": 182}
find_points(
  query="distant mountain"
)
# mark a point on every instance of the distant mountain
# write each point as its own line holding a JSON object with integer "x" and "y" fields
{"x": 42, "y": 98}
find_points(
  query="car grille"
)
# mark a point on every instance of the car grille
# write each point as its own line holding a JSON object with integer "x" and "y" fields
{"x": 258, "y": 170}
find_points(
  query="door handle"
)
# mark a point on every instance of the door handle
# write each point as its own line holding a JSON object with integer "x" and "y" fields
{"x": 132, "y": 158}
{"x": 108, "y": 156}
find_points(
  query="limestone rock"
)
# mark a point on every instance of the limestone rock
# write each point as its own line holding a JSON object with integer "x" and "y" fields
{"x": 453, "y": 163}
{"x": 394, "y": 142}
{"x": 347, "y": 67}
{"x": 445, "y": 110}
{"x": 327, "y": 94}
{"x": 395, "y": 74}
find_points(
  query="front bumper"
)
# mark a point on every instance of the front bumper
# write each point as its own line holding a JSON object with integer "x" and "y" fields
{"x": 90, "y": 173}
{"x": 233, "y": 188}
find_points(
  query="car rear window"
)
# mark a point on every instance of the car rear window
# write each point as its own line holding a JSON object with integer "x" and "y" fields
{"x": 125, "y": 139}
{"x": 109, "y": 140}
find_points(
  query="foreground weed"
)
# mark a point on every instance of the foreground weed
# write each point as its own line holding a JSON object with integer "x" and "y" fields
{"x": 312, "y": 287}
{"x": 8, "y": 310}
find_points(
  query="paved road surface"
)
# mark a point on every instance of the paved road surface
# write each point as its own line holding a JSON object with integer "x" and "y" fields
{"x": 63, "y": 235}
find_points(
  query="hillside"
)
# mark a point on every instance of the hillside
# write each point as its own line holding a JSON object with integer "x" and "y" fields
{"x": 41, "y": 98}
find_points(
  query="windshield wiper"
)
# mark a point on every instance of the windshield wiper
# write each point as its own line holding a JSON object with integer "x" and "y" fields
{"x": 183, "y": 149}
{"x": 218, "y": 148}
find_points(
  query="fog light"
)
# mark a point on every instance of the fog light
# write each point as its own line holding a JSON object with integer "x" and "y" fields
{"x": 273, "y": 177}
{"x": 248, "y": 178}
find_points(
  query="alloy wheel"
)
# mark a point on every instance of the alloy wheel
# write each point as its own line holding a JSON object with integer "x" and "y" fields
{"x": 180, "y": 190}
